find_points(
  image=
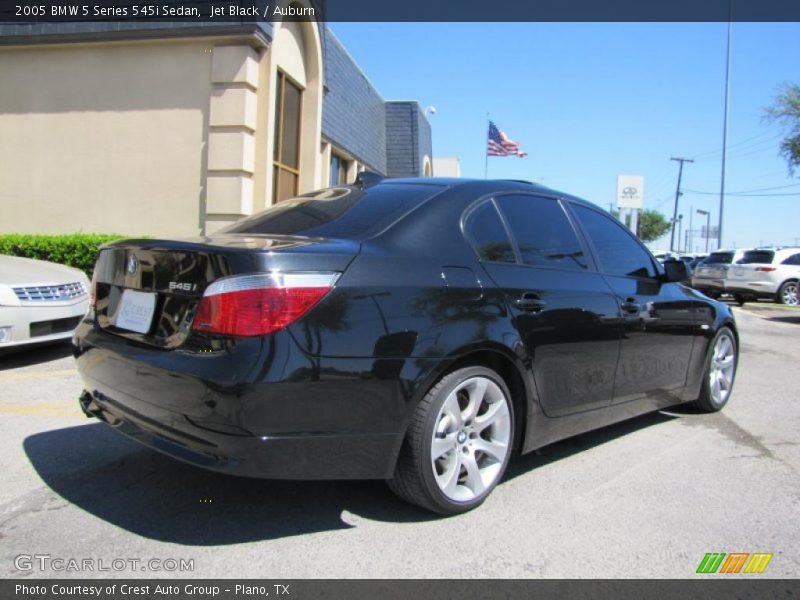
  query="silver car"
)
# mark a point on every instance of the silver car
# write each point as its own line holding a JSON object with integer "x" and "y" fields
{"x": 710, "y": 275}
{"x": 39, "y": 301}
{"x": 766, "y": 273}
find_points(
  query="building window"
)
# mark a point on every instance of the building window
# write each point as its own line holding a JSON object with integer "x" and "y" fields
{"x": 286, "y": 157}
{"x": 339, "y": 168}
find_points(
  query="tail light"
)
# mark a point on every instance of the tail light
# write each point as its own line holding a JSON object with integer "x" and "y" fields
{"x": 766, "y": 269}
{"x": 260, "y": 304}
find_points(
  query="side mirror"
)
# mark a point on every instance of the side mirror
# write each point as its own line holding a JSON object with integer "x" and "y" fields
{"x": 675, "y": 270}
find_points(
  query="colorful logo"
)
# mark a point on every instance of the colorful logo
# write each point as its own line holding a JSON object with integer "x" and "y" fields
{"x": 735, "y": 562}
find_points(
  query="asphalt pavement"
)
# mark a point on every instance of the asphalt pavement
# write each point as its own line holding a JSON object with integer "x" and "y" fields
{"x": 645, "y": 498}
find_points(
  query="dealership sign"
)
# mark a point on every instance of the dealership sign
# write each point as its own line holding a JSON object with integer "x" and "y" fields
{"x": 630, "y": 191}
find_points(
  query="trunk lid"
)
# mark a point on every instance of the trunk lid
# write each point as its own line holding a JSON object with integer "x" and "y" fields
{"x": 148, "y": 290}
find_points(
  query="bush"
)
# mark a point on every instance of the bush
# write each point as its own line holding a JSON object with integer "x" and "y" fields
{"x": 77, "y": 250}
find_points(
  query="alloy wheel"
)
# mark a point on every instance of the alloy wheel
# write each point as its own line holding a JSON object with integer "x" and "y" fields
{"x": 721, "y": 371}
{"x": 471, "y": 439}
{"x": 789, "y": 294}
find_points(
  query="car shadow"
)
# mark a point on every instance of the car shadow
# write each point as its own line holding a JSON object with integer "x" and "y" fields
{"x": 33, "y": 354}
{"x": 785, "y": 319}
{"x": 157, "y": 497}
{"x": 521, "y": 465}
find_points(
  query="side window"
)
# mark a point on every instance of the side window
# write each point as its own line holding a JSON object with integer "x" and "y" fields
{"x": 618, "y": 251}
{"x": 794, "y": 259}
{"x": 543, "y": 233}
{"x": 487, "y": 235}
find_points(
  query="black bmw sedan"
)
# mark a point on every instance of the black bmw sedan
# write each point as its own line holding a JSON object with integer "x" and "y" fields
{"x": 421, "y": 331}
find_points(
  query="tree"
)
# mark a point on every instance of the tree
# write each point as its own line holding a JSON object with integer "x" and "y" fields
{"x": 785, "y": 110}
{"x": 652, "y": 224}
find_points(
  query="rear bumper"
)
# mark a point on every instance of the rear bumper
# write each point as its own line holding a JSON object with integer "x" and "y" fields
{"x": 757, "y": 290}
{"x": 709, "y": 285}
{"x": 288, "y": 457}
{"x": 257, "y": 410}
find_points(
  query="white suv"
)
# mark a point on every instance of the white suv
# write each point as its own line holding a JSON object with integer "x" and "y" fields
{"x": 766, "y": 273}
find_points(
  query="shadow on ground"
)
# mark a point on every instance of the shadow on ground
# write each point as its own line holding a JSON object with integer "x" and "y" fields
{"x": 786, "y": 319}
{"x": 154, "y": 496}
{"x": 34, "y": 354}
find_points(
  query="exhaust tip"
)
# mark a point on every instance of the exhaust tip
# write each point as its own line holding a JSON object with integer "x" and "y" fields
{"x": 88, "y": 405}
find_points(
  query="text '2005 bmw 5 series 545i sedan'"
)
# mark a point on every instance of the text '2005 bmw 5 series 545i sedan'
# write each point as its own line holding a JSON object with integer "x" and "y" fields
{"x": 421, "y": 331}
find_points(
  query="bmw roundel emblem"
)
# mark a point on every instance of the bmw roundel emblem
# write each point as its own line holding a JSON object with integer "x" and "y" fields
{"x": 133, "y": 264}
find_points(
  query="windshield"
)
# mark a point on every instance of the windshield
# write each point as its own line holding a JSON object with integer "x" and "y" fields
{"x": 343, "y": 212}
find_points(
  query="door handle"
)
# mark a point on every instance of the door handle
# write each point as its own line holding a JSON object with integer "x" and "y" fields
{"x": 630, "y": 306}
{"x": 530, "y": 301}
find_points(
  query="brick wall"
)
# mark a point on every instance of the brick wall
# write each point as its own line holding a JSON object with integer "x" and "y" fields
{"x": 353, "y": 114}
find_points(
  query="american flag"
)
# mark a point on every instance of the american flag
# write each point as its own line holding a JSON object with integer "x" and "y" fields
{"x": 500, "y": 145}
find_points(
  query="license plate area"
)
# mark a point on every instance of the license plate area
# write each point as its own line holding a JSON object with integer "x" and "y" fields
{"x": 135, "y": 311}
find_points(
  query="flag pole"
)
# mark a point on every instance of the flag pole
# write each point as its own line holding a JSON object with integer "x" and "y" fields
{"x": 486, "y": 148}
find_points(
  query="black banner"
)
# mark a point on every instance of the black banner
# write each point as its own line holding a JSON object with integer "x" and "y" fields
{"x": 294, "y": 589}
{"x": 33, "y": 12}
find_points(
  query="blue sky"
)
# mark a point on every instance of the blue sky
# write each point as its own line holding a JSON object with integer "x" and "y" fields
{"x": 589, "y": 101}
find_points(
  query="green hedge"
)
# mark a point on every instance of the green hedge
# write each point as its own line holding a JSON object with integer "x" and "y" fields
{"x": 77, "y": 250}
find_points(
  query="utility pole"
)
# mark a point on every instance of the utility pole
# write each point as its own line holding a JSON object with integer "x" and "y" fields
{"x": 677, "y": 196}
{"x": 725, "y": 124}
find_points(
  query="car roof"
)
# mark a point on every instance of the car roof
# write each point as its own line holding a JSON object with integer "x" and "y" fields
{"x": 487, "y": 186}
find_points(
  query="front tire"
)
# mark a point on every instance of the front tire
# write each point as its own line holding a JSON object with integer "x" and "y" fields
{"x": 720, "y": 372}
{"x": 458, "y": 443}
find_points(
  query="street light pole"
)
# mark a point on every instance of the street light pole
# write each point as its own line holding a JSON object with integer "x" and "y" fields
{"x": 708, "y": 224}
{"x": 677, "y": 196}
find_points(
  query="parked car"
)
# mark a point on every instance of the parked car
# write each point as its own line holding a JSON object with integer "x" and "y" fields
{"x": 710, "y": 275}
{"x": 663, "y": 255}
{"x": 39, "y": 301}
{"x": 771, "y": 273}
{"x": 415, "y": 330}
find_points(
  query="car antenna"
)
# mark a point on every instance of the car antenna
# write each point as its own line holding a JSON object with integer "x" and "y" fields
{"x": 367, "y": 179}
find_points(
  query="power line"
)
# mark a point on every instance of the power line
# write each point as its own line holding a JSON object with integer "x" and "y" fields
{"x": 736, "y": 145}
{"x": 742, "y": 195}
{"x": 769, "y": 189}
{"x": 738, "y": 148}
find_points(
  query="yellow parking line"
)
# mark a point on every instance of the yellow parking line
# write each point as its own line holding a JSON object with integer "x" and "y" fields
{"x": 46, "y": 409}
{"x": 37, "y": 374}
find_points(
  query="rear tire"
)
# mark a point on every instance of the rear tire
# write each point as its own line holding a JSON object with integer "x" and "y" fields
{"x": 719, "y": 373}
{"x": 788, "y": 294}
{"x": 458, "y": 443}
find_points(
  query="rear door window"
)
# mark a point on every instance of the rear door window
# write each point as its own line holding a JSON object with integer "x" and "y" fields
{"x": 617, "y": 250}
{"x": 794, "y": 259}
{"x": 488, "y": 235}
{"x": 542, "y": 231}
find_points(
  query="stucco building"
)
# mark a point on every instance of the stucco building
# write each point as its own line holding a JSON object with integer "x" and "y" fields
{"x": 169, "y": 129}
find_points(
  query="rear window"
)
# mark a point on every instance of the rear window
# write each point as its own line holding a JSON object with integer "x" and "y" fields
{"x": 719, "y": 258}
{"x": 344, "y": 212}
{"x": 757, "y": 256}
